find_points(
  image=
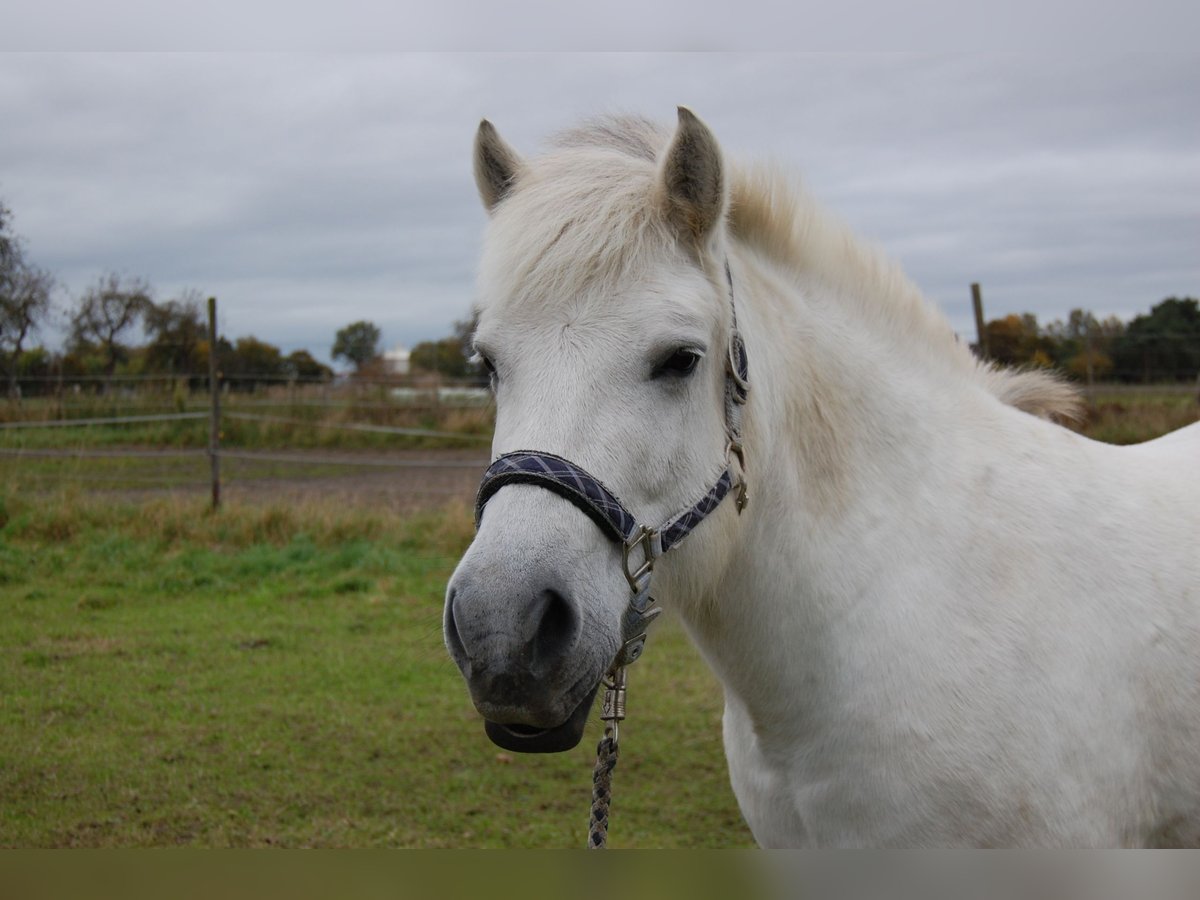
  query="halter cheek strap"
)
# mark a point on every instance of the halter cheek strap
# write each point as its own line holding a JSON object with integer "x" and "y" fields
{"x": 641, "y": 545}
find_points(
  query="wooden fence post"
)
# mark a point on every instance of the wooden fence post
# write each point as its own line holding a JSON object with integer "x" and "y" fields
{"x": 980, "y": 327}
{"x": 1091, "y": 370}
{"x": 214, "y": 393}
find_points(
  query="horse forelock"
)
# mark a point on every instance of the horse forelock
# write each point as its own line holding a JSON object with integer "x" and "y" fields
{"x": 634, "y": 136}
{"x": 582, "y": 217}
{"x": 585, "y": 214}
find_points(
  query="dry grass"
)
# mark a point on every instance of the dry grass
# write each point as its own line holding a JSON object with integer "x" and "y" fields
{"x": 171, "y": 520}
{"x": 1133, "y": 416}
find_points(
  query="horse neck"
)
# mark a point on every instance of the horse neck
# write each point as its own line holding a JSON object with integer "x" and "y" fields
{"x": 840, "y": 433}
{"x": 844, "y": 404}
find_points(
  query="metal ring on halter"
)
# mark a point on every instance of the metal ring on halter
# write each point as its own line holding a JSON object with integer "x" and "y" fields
{"x": 612, "y": 708}
{"x": 735, "y": 450}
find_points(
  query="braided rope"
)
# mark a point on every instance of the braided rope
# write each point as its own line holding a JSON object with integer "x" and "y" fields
{"x": 606, "y": 761}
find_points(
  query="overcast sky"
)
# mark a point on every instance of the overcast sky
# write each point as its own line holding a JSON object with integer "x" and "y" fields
{"x": 309, "y": 190}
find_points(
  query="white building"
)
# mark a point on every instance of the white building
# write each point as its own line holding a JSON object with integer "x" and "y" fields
{"x": 395, "y": 361}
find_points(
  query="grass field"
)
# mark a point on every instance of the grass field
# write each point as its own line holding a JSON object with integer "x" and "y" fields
{"x": 276, "y": 677}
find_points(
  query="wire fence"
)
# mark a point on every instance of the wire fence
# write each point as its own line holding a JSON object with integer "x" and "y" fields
{"x": 257, "y": 453}
{"x": 137, "y": 430}
{"x": 249, "y": 386}
{"x": 413, "y": 473}
{"x": 112, "y": 420}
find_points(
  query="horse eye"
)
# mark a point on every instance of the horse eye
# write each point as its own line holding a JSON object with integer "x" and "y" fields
{"x": 681, "y": 362}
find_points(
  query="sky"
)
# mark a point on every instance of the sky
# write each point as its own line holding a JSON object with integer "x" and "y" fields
{"x": 308, "y": 189}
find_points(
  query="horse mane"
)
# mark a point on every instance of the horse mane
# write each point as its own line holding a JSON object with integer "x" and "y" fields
{"x": 770, "y": 211}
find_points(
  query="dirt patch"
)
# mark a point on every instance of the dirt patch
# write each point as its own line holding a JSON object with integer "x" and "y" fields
{"x": 416, "y": 480}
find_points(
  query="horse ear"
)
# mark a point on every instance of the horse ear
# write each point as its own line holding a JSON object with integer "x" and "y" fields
{"x": 693, "y": 178}
{"x": 496, "y": 165}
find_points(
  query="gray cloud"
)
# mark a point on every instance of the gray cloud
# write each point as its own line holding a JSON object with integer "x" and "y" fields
{"x": 308, "y": 190}
{"x": 529, "y": 25}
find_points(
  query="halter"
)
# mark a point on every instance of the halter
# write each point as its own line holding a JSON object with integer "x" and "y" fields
{"x": 641, "y": 545}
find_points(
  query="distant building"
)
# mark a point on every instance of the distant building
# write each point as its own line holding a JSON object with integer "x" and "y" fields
{"x": 395, "y": 361}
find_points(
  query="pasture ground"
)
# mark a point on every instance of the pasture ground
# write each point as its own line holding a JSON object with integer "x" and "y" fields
{"x": 274, "y": 676}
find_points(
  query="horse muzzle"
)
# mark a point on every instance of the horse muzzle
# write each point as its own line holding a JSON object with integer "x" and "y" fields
{"x": 532, "y": 659}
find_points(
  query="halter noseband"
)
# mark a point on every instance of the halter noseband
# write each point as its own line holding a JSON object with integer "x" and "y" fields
{"x": 601, "y": 505}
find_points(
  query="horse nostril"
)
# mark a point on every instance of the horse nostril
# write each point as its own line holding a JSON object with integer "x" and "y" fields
{"x": 454, "y": 642}
{"x": 557, "y": 629}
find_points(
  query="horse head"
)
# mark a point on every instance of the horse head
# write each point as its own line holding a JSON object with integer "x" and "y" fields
{"x": 605, "y": 321}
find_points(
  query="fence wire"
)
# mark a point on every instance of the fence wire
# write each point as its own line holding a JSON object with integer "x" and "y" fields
{"x": 311, "y": 459}
{"x": 356, "y": 426}
{"x": 51, "y": 453}
{"x": 115, "y": 420}
{"x": 246, "y": 469}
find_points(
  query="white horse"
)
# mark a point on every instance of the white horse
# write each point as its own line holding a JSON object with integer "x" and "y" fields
{"x": 941, "y": 619}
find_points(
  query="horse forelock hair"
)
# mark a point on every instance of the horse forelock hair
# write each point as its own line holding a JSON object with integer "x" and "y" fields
{"x": 585, "y": 201}
{"x": 579, "y": 217}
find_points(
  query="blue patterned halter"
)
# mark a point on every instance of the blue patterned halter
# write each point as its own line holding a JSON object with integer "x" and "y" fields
{"x": 589, "y": 494}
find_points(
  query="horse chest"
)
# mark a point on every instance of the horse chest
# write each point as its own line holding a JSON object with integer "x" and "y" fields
{"x": 852, "y": 799}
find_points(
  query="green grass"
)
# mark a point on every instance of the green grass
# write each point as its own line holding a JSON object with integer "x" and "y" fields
{"x": 275, "y": 677}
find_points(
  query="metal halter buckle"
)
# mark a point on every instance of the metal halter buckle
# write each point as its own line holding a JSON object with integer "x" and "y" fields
{"x": 641, "y": 611}
{"x": 612, "y": 711}
{"x": 734, "y": 449}
{"x": 644, "y": 537}
{"x": 733, "y": 358}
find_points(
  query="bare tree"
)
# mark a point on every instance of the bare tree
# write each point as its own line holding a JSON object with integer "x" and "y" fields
{"x": 24, "y": 304}
{"x": 8, "y": 242}
{"x": 24, "y": 300}
{"x": 107, "y": 310}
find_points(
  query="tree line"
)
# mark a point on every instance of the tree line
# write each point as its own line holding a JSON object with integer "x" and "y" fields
{"x": 450, "y": 357}
{"x": 101, "y": 323}
{"x": 100, "y": 347}
{"x": 105, "y": 321}
{"x": 1162, "y": 345}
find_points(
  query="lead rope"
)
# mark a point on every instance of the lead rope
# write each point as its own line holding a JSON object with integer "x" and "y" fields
{"x": 612, "y": 712}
